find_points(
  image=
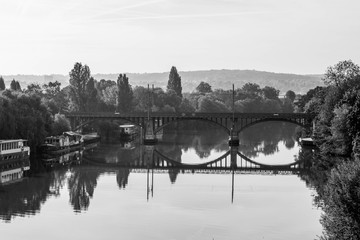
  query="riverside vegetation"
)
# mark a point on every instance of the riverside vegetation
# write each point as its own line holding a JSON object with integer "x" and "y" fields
{"x": 37, "y": 111}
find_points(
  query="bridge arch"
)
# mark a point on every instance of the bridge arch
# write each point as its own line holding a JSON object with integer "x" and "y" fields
{"x": 288, "y": 165}
{"x": 299, "y": 123}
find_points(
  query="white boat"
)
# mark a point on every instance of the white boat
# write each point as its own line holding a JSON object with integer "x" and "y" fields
{"x": 309, "y": 142}
{"x": 14, "y": 159}
{"x": 127, "y": 131}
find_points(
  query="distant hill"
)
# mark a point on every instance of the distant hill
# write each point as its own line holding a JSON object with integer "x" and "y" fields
{"x": 191, "y": 79}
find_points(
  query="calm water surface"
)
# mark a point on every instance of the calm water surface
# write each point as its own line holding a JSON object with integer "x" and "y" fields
{"x": 83, "y": 200}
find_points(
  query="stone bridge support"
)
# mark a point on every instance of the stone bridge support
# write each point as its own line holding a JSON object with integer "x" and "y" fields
{"x": 149, "y": 135}
{"x": 148, "y": 157}
{"x": 233, "y": 138}
{"x": 233, "y": 156}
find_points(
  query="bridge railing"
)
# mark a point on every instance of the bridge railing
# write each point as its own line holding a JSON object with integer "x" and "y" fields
{"x": 191, "y": 115}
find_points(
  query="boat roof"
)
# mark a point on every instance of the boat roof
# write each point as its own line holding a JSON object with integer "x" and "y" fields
{"x": 306, "y": 139}
{"x": 55, "y": 137}
{"x": 70, "y": 133}
{"x": 12, "y": 140}
{"x": 127, "y": 125}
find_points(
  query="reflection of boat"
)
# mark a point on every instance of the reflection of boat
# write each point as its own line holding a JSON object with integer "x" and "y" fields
{"x": 68, "y": 141}
{"x": 91, "y": 138}
{"x": 127, "y": 145}
{"x": 14, "y": 159}
{"x": 65, "y": 159}
{"x": 307, "y": 142}
{"x": 90, "y": 146}
{"x": 127, "y": 132}
{"x": 13, "y": 175}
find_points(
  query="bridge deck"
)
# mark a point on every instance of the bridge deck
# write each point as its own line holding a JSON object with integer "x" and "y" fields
{"x": 188, "y": 115}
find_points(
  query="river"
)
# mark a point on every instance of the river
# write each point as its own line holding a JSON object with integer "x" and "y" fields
{"x": 85, "y": 195}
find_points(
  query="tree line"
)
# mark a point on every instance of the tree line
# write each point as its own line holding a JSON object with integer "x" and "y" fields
{"x": 336, "y": 170}
{"x": 35, "y": 111}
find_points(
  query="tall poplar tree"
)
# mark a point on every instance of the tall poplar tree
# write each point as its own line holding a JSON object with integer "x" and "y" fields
{"x": 15, "y": 85}
{"x": 2, "y": 83}
{"x": 174, "y": 82}
{"x": 79, "y": 78}
{"x": 125, "y": 94}
{"x": 91, "y": 95}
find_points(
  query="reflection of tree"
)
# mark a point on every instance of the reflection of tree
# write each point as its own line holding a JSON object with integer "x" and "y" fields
{"x": 173, "y": 173}
{"x": 58, "y": 178}
{"x": 289, "y": 143}
{"x": 122, "y": 176}
{"x": 25, "y": 197}
{"x": 113, "y": 153}
{"x": 265, "y": 138}
{"x": 192, "y": 134}
{"x": 81, "y": 187}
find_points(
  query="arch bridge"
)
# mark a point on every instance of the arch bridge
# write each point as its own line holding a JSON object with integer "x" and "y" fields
{"x": 154, "y": 122}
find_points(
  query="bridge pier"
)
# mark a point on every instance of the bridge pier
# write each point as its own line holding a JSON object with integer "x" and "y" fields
{"x": 149, "y": 156}
{"x": 233, "y": 138}
{"x": 149, "y": 137}
{"x": 233, "y": 156}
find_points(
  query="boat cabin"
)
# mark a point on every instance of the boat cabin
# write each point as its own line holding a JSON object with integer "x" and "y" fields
{"x": 13, "y": 146}
{"x": 128, "y": 129}
{"x": 74, "y": 138}
{"x": 307, "y": 142}
{"x": 59, "y": 141}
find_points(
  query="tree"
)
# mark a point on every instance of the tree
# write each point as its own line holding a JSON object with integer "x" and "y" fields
{"x": 18, "y": 87}
{"x": 342, "y": 74}
{"x": 342, "y": 202}
{"x": 270, "y": 93}
{"x": 339, "y": 131}
{"x": 34, "y": 88}
{"x": 110, "y": 95}
{"x": 287, "y": 106}
{"x": 15, "y": 85}
{"x": 2, "y": 83}
{"x": 203, "y": 87}
{"x": 174, "y": 82}
{"x": 290, "y": 95}
{"x": 318, "y": 92}
{"x": 270, "y": 106}
{"x": 24, "y": 116}
{"x": 353, "y": 122}
{"x": 79, "y": 77}
{"x": 248, "y": 105}
{"x": 91, "y": 95}
{"x": 141, "y": 99}
{"x": 61, "y": 124}
{"x": 251, "y": 89}
{"x": 125, "y": 94}
{"x": 172, "y": 99}
{"x": 186, "y": 106}
{"x": 207, "y": 104}
{"x": 52, "y": 89}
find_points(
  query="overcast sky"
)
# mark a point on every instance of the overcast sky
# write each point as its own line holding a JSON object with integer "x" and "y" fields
{"x": 113, "y": 36}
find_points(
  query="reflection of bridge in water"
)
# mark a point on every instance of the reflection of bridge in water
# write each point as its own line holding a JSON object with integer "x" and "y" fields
{"x": 231, "y": 161}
